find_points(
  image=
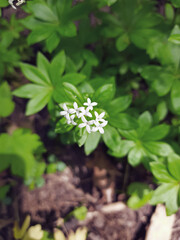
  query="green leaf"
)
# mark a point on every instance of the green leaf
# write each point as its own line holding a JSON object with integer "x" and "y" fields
{"x": 176, "y": 3}
{"x": 39, "y": 34}
{"x": 158, "y": 148}
{"x": 38, "y": 102}
{"x": 52, "y": 42}
{"x": 90, "y": 57}
{"x": 135, "y": 155}
{"x": 174, "y": 165}
{"x": 123, "y": 121}
{"x": 6, "y": 103}
{"x": 18, "y": 152}
{"x": 122, "y": 42}
{"x": 162, "y": 110}
{"x": 73, "y": 93}
{"x": 167, "y": 193}
{"x": 33, "y": 74}
{"x": 131, "y": 135}
{"x": 174, "y": 38}
{"x": 175, "y": 96}
{"x": 110, "y": 2}
{"x": 43, "y": 12}
{"x": 61, "y": 166}
{"x": 29, "y": 91}
{"x": 4, "y": 3}
{"x": 169, "y": 11}
{"x": 81, "y": 141}
{"x": 51, "y": 168}
{"x": 57, "y": 67}
{"x": 156, "y": 133}
{"x": 43, "y": 65}
{"x": 40, "y": 168}
{"x": 122, "y": 149}
{"x": 111, "y": 138}
{"x": 3, "y": 191}
{"x": 91, "y": 142}
{"x": 145, "y": 122}
{"x": 104, "y": 94}
{"x": 160, "y": 79}
{"x": 80, "y": 213}
{"x": 140, "y": 195}
{"x": 68, "y": 29}
{"x": 119, "y": 104}
{"x": 73, "y": 78}
{"x": 160, "y": 172}
{"x": 62, "y": 126}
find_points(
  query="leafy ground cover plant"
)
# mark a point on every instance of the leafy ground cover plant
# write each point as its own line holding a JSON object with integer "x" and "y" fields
{"x": 107, "y": 76}
{"x": 84, "y": 93}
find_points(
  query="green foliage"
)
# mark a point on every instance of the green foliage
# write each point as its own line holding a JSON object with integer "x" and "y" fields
{"x": 19, "y": 152}
{"x": 3, "y": 3}
{"x": 167, "y": 174}
{"x": 80, "y": 213}
{"x": 132, "y": 22}
{"x": 143, "y": 144}
{"x": 55, "y": 165}
{"x": 140, "y": 194}
{"x": 50, "y": 21}
{"x": 47, "y": 82}
{"x": 12, "y": 45}
{"x": 7, "y": 105}
{"x": 125, "y": 58}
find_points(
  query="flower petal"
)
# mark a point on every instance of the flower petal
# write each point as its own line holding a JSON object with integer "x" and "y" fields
{"x": 79, "y": 115}
{"x": 88, "y": 128}
{"x": 71, "y": 110}
{"x": 96, "y": 114}
{"x": 65, "y": 107}
{"x": 101, "y": 130}
{"x": 94, "y": 129}
{"x": 67, "y": 116}
{"x": 73, "y": 123}
{"x": 63, "y": 113}
{"x": 102, "y": 115}
{"x": 88, "y": 114}
{"x": 89, "y": 108}
{"x": 104, "y": 123}
{"x": 81, "y": 125}
{"x": 93, "y": 104}
{"x": 90, "y": 122}
{"x": 75, "y": 105}
{"x": 83, "y": 119}
{"x": 81, "y": 109}
{"x": 72, "y": 117}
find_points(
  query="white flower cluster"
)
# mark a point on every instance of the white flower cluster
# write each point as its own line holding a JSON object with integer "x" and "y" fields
{"x": 81, "y": 112}
{"x": 19, "y": 2}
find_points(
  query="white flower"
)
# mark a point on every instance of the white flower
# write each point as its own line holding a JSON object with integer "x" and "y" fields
{"x": 67, "y": 111}
{"x": 70, "y": 120}
{"x": 99, "y": 126}
{"x": 86, "y": 124}
{"x": 87, "y": 113}
{"x": 20, "y": 2}
{"x": 90, "y": 104}
{"x": 99, "y": 117}
{"x": 11, "y": 3}
{"x": 80, "y": 111}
